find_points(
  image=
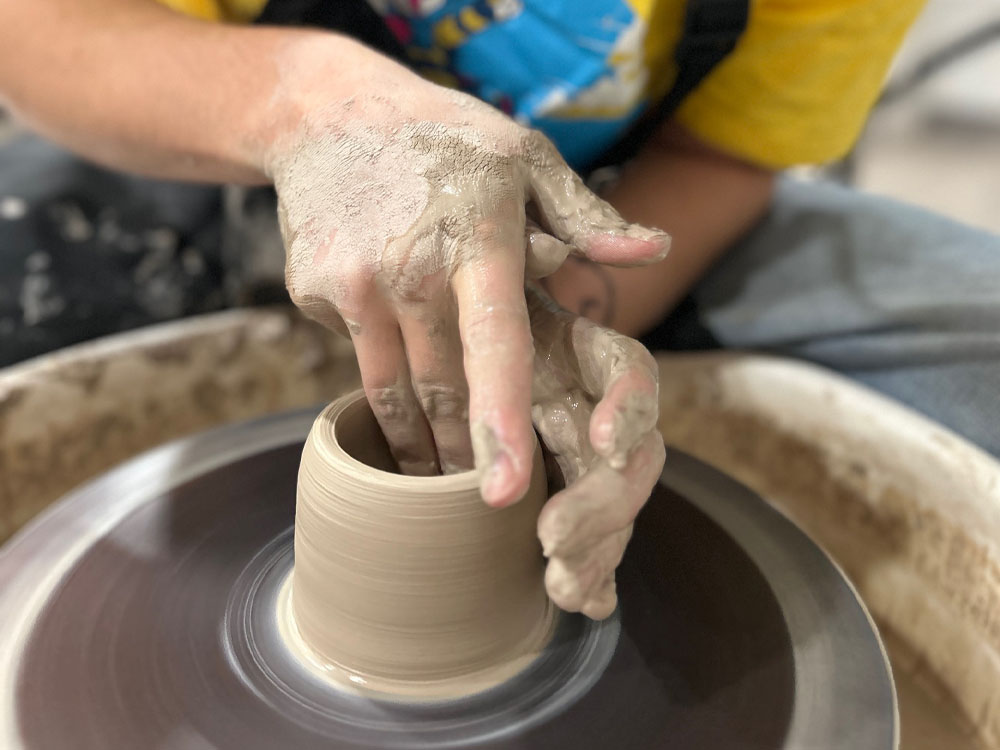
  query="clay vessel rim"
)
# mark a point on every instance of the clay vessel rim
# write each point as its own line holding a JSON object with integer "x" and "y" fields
{"x": 345, "y": 407}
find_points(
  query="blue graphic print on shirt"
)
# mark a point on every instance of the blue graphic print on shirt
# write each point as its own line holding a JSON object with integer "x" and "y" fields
{"x": 572, "y": 68}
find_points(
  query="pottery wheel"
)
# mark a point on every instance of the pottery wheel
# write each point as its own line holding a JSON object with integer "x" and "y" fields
{"x": 138, "y": 612}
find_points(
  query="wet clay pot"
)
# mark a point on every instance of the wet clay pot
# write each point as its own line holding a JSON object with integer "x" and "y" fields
{"x": 410, "y": 585}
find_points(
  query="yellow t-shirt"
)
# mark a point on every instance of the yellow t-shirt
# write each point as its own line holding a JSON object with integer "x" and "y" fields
{"x": 796, "y": 89}
{"x": 218, "y": 10}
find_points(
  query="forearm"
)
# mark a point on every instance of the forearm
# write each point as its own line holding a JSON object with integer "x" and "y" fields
{"x": 704, "y": 199}
{"x": 138, "y": 87}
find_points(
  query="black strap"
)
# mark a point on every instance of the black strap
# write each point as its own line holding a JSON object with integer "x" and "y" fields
{"x": 355, "y": 18}
{"x": 711, "y": 30}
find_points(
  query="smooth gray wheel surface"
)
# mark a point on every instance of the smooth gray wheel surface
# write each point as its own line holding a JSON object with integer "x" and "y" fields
{"x": 138, "y": 612}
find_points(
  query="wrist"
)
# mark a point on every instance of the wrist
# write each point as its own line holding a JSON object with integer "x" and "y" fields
{"x": 317, "y": 80}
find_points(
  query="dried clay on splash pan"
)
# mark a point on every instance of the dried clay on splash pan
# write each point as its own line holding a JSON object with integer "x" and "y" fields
{"x": 410, "y": 586}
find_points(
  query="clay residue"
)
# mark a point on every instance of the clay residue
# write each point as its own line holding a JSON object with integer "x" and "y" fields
{"x": 578, "y": 365}
{"x": 405, "y": 208}
{"x": 70, "y": 415}
{"x": 410, "y": 586}
{"x": 594, "y": 402}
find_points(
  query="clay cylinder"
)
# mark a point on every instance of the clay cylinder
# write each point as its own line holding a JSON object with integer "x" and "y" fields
{"x": 404, "y": 581}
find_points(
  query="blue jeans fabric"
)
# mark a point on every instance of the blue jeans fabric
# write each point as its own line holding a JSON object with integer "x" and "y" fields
{"x": 896, "y": 297}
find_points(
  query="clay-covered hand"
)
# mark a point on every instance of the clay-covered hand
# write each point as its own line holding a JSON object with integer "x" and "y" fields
{"x": 595, "y": 405}
{"x": 411, "y": 215}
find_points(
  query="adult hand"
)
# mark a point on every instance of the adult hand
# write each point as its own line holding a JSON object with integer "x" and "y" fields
{"x": 411, "y": 215}
{"x": 595, "y": 404}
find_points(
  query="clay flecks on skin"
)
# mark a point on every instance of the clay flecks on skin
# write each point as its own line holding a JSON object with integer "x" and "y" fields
{"x": 384, "y": 196}
{"x": 545, "y": 252}
{"x": 397, "y": 199}
{"x": 485, "y": 444}
{"x": 636, "y": 417}
{"x": 409, "y": 585}
{"x": 585, "y": 528}
{"x": 407, "y": 194}
{"x": 564, "y": 419}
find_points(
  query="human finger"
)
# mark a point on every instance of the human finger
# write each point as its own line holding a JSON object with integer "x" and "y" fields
{"x": 572, "y": 581}
{"x": 601, "y": 502}
{"x": 572, "y": 213}
{"x": 628, "y": 408}
{"x": 602, "y": 604}
{"x": 496, "y": 338}
{"x": 434, "y": 354}
{"x": 385, "y": 376}
{"x": 618, "y": 373}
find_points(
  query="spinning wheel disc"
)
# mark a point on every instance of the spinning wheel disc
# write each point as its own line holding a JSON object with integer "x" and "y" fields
{"x": 139, "y": 613}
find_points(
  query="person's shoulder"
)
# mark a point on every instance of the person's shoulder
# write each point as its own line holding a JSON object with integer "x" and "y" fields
{"x": 218, "y": 10}
{"x": 242, "y": 10}
{"x": 801, "y": 79}
{"x": 819, "y": 16}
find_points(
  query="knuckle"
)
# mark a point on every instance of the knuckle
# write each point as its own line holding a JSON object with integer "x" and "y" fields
{"x": 603, "y": 604}
{"x": 299, "y": 295}
{"x": 410, "y": 291}
{"x": 297, "y": 283}
{"x": 513, "y": 141}
{"x": 409, "y": 281}
{"x": 563, "y": 586}
{"x": 630, "y": 354}
{"x": 420, "y": 291}
{"x": 489, "y": 229}
{"x": 534, "y": 143}
{"x": 312, "y": 306}
{"x": 442, "y": 402}
{"x": 477, "y": 325}
{"x": 355, "y": 270}
{"x": 657, "y": 456}
{"x": 390, "y": 404}
{"x": 485, "y": 324}
{"x": 644, "y": 358}
{"x": 554, "y": 531}
{"x": 356, "y": 291}
{"x": 632, "y": 350}
{"x": 635, "y": 415}
{"x": 649, "y": 455}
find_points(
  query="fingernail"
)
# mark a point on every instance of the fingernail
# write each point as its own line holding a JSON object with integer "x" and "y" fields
{"x": 488, "y": 452}
{"x": 654, "y": 236}
{"x": 664, "y": 250}
{"x": 650, "y": 234}
{"x": 608, "y": 245}
{"x": 496, "y": 482}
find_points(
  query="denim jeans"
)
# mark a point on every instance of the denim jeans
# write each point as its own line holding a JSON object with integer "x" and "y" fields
{"x": 896, "y": 297}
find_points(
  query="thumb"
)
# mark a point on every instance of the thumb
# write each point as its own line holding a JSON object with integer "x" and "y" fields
{"x": 575, "y": 215}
